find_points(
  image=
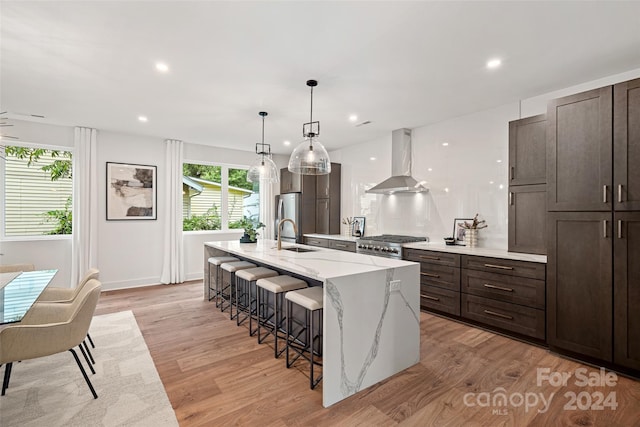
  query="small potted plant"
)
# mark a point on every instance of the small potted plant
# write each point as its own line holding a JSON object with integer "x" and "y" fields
{"x": 251, "y": 228}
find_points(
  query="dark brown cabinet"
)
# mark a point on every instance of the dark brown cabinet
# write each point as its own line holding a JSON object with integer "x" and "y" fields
{"x": 527, "y": 185}
{"x": 626, "y": 291}
{"x": 579, "y": 277}
{"x": 527, "y": 219}
{"x": 626, "y": 140}
{"x": 593, "y": 300}
{"x": 527, "y": 151}
{"x": 579, "y": 151}
{"x": 320, "y": 198}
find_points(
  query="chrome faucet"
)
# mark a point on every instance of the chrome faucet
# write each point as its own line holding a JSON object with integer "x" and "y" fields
{"x": 295, "y": 230}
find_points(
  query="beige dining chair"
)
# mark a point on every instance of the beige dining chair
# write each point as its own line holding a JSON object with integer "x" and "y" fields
{"x": 12, "y": 268}
{"x": 56, "y": 294}
{"x": 67, "y": 295}
{"x": 50, "y": 328}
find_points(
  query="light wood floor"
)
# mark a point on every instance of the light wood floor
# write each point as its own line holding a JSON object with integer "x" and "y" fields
{"x": 216, "y": 375}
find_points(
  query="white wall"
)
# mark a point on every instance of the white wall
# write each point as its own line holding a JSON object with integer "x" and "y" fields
{"x": 465, "y": 177}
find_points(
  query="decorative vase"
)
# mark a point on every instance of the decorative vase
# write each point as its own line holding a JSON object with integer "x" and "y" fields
{"x": 246, "y": 239}
{"x": 471, "y": 238}
{"x": 346, "y": 230}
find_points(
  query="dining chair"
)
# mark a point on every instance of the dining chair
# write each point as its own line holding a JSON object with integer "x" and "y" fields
{"x": 50, "y": 328}
{"x": 13, "y": 268}
{"x": 67, "y": 295}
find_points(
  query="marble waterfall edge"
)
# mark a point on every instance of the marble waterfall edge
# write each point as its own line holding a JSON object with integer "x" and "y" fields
{"x": 364, "y": 346}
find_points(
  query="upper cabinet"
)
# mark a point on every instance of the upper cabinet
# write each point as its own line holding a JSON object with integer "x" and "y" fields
{"x": 579, "y": 146}
{"x": 290, "y": 182}
{"x": 626, "y": 142}
{"x": 527, "y": 151}
{"x": 527, "y": 189}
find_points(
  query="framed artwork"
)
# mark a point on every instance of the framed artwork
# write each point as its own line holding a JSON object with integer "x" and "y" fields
{"x": 358, "y": 226}
{"x": 131, "y": 192}
{"x": 459, "y": 232}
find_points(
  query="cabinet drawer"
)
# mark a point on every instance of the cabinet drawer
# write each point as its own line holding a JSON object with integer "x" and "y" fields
{"x": 532, "y": 270}
{"x": 441, "y": 276}
{"x": 439, "y": 299}
{"x": 314, "y": 241}
{"x": 342, "y": 245}
{"x": 433, "y": 257}
{"x": 518, "y": 290}
{"x": 511, "y": 317}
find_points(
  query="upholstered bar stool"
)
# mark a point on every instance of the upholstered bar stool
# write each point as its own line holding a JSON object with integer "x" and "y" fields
{"x": 229, "y": 270}
{"x": 311, "y": 300}
{"x": 214, "y": 286}
{"x": 246, "y": 292}
{"x": 276, "y": 286}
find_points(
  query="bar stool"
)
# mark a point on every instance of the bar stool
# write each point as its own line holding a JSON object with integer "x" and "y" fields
{"x": 276, "y": 286}
{"x": 229, "y": 282}
{"x": 246, "y": 293}
{"x": 217, "y": 261}
{"x": 311, "y": 300}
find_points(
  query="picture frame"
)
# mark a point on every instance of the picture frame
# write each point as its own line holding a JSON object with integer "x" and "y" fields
{"x": 131, "y": 192}
{"x": 459, "y": 232}
{"x": 357, "y": 228}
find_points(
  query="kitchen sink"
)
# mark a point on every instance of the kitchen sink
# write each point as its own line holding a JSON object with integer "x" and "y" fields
{"x": 298, "y": 249}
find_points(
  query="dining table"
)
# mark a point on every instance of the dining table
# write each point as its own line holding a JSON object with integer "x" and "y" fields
{"x": 19, "y": 291}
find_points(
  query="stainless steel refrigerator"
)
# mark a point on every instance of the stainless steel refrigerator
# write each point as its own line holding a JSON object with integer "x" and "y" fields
{"x": 301, "y": 209}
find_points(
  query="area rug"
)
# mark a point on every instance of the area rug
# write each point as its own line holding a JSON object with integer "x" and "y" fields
{"x": 50, "y": 391}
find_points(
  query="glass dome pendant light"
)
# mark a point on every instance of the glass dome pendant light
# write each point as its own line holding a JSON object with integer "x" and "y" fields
{"x": 264, "y": 169}
{"x": 310, "y": 157}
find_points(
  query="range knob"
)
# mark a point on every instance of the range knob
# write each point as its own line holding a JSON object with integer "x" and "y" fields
{"x": 376, "y": 248}
{"x": 394, "y": 250}
{"x": 384, "y": 249}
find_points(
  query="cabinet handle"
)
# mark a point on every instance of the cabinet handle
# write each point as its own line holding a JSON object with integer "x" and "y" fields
{"x": 502, "y": 267}
{"x": 340, "y": 245}
{"x": 619, "y": 229}
{"x": 493, "y": 313}
{"x": 604, "y": 228}
{"x": 430, "y": 275}
{"x": 604, "y": 193}
{"x": 619, "y": 193}
{"x": 511, "y": 173}
{"x": 430, "y": 257}
{"x": 488, "y": 285}
{"x": 430, "y": 297}
{"x": 510, "y": 198}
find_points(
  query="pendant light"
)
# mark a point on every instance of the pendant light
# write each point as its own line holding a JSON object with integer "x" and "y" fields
{"x": 310, "y": 157}
{"x": 264, "y": 169}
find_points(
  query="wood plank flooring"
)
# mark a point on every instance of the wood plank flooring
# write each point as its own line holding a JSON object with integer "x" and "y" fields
{"x": 216, "y": 375}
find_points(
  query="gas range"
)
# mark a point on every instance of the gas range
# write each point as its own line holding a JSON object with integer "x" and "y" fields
{"x": 385, "y": 245}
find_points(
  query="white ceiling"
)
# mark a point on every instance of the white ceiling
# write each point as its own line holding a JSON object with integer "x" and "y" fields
{"x": 395, "y": 63}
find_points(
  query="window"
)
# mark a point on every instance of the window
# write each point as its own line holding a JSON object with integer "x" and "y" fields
{"x": 217, "y": 197}
{"x": 37, "y": 191}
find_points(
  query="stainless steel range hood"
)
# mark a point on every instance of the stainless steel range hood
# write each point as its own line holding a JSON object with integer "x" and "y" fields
{"x": 401, "y": 180}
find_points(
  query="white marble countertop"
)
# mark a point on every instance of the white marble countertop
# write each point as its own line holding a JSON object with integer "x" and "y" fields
{"x": 320, "y": 264}
{"x": 333, "y": 237}
{"x": 488, "y": 252}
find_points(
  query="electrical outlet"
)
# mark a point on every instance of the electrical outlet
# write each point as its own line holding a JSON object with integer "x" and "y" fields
{"x": 395, "y": 285}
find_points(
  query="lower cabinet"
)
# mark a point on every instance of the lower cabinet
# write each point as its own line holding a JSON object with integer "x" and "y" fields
{"x": 341, "y": 245}
{"x": 503, "y": 294}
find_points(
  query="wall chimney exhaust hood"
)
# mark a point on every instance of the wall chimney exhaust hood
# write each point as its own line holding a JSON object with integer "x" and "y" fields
{"x": 401, "y": 180}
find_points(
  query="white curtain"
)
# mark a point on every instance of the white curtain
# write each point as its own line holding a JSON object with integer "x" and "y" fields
{"x": 84, "y": 245}
{"x": 267, "y": 214}
{"x": 173, "y": 264}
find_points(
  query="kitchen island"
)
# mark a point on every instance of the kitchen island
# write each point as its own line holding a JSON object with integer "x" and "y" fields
{"x": 371, "y": 322}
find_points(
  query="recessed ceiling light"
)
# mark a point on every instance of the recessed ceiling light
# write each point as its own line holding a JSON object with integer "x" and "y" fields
{"x": 490, "y": 182}
{"x": 372, "y": 158}
{"x": 143, "y": 119}
{"x": 446, "y": 190}
{"x": 501, "y": 186}
{"x": 162, "y": 67}
{"x": 353, "y": 118}
{"x": 429, "y": 169}
{"x": 287, "y": 143}
{"x": 493, "y": 63}
{"x": 499, "y": 161}
{"x": 445, "y": 144}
